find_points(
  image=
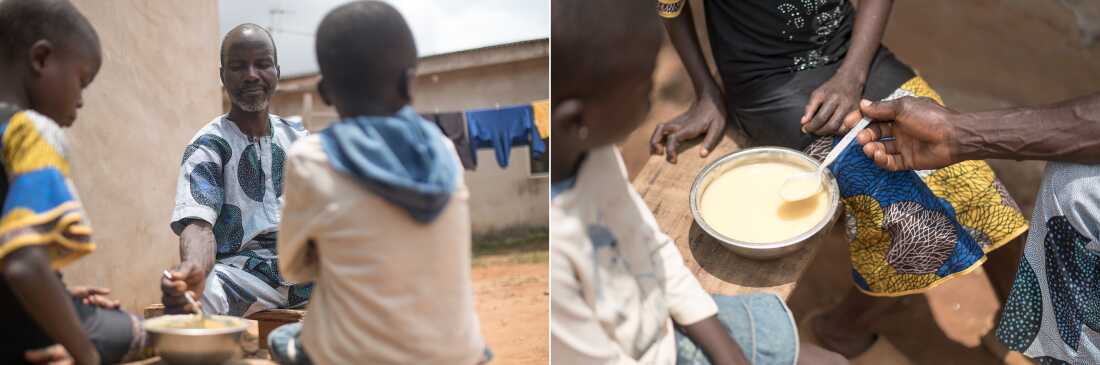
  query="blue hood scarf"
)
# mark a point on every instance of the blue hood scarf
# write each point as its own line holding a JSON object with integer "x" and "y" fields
{"x": 401, "y": 158}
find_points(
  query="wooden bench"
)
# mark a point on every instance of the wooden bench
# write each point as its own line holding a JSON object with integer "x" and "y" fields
{"x": 273, "y": 318}
{"x": 268, "y": 319}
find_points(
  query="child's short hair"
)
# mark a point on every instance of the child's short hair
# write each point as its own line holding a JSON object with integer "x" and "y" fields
{"x": 590, "y": 40}
{"x": 363, "y": 48}
{"x": 23, "y": 22}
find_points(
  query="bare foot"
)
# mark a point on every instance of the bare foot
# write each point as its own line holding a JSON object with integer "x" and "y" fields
{"x": 841, "y": 339}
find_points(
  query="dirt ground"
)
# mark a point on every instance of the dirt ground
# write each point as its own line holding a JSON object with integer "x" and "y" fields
{"x": 979, "y": 55}
{"x": 513, "y": 302}
{"x": 511, "y": 273}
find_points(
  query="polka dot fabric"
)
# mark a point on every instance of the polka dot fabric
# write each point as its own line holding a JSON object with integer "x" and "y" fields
{"x": 250, "y": 174}
{"x": 229, "y": 230}
{"x": 1023, "y": 312}
{"x": 278, "y": 160}
{"x": 1053, "y": 311}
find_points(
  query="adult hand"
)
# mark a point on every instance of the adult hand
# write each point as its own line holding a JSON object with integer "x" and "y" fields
{"x": 189, "y": 276}
{"x": 922, "y": 132}
{"x": 833, "y": 105}
{"x": 94, "y": 296}
{"x": 706, "y": 115}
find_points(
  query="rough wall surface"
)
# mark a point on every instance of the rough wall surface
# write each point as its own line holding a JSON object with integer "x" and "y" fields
{"x": 158, "y": 85}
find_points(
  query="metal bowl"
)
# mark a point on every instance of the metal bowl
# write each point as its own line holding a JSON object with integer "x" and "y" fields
{"x": 772, "y": 250}
{"x": 186, "y": 346}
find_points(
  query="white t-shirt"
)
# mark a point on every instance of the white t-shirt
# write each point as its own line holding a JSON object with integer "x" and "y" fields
{"x": 617, "y": 282}
{"x": 388, "y": 290}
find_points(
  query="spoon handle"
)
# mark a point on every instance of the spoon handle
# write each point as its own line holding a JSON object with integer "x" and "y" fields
{"x": 844, "y": 142}
{"x": 194, "y": 303}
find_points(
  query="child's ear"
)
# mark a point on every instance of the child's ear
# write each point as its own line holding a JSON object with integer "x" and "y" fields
{"x": 321, "y": 91}
{"x": 39, "y": 54}
{"x": 405, "y": 85}
{"x": 567, "y": 119}
{"x": 221, "y": 77}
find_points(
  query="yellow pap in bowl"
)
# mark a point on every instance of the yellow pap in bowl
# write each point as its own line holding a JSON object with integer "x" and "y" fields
{"x": 744, "y": 203}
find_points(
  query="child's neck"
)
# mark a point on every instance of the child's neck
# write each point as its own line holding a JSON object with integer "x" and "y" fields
{"x": 252, "y": 124}
{"x": 565, "y": 164}
{"x": 13, "y": 92}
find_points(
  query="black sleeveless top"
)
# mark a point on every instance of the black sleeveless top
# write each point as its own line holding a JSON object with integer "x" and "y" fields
{"x": 756, "y": 39}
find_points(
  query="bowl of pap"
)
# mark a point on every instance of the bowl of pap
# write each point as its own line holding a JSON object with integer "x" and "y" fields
{"x": 736, "y": 199}
{"x": 190, "y": 339}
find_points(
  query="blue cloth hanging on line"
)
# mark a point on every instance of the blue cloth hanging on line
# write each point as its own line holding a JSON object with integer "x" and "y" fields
{"x": 501, "y": 128}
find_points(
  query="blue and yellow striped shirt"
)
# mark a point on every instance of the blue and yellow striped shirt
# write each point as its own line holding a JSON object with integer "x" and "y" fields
{"x": 40, "y": 204}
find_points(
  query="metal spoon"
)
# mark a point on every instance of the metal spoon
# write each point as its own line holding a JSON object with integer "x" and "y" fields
{"x": 806, "y": 185}
{"x": 190, "y": 299}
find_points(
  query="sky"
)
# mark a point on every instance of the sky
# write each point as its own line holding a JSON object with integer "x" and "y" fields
{"x": 440, "y": 26}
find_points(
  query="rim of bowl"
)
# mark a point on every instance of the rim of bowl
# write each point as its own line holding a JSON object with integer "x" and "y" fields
{"x": 238, "y": 325}
{"x": 834, "y": 202}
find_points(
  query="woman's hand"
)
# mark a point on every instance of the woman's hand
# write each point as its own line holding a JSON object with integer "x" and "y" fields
{"x": 832, "y": 104}
{"x": 707, "y": 115}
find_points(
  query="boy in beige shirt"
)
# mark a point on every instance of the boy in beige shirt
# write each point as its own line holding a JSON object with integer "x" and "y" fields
{"x": 376, "y": 212}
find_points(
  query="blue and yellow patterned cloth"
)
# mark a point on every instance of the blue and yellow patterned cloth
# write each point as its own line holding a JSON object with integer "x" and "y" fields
{"x": 40, "y": 205}
{"x": 912, "y": 230}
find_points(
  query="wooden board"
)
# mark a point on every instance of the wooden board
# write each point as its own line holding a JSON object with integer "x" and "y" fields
{"x": 284, "y": 315}
{"x": 666, "y": 188}
{"x": 271, "y": 319}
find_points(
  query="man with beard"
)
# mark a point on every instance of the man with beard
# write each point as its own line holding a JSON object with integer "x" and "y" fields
{"x": 229, "y": 192}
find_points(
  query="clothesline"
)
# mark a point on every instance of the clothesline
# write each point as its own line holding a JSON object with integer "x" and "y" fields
{"x": 498, "y": 128}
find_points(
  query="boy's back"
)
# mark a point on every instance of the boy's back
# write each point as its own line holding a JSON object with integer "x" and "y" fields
{"x": 389, "y": 289}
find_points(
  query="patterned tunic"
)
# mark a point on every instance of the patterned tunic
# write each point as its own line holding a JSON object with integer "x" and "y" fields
{"x": 235, "y": 183}
{"x": 1053, "y": 311}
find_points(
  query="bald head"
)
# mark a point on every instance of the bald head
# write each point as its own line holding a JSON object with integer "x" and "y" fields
{"x": 599, "y": 41}
{"x": 250, "y": 68}
{"x": 24, "y": 22}
{"x": 250, "y": 36}
{"x": 364, "y": 49}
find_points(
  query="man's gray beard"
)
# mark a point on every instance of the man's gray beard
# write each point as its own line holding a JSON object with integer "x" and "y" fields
{"x": 258, "y": 106}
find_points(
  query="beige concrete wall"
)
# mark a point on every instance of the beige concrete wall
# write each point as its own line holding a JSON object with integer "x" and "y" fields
{"x": 479, "y": 87}
{"x": 157, "y": 86}
{"x": 500, "y": 198}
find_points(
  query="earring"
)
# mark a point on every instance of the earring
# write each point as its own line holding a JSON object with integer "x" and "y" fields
{"x": 582, "y": 133}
